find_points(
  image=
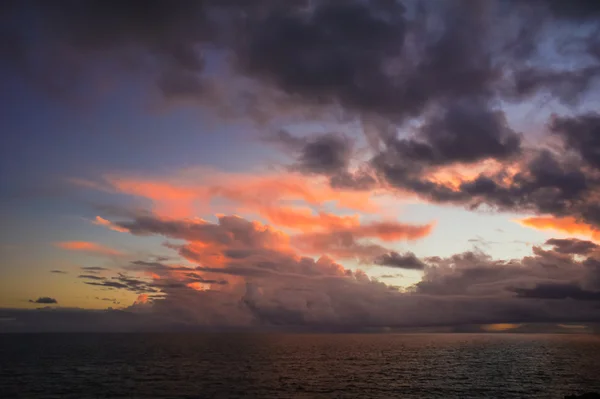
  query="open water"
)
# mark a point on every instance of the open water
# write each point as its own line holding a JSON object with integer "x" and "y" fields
{"x": 297, "y": 366}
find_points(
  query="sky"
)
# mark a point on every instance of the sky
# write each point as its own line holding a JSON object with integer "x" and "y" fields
{"x": 314, "y": 165}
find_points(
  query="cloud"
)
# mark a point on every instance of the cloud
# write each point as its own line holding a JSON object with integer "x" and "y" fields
{"x": 366, "y": 57}
{"x": 460, "y": 132}
{"x": 44, "y": 300}
{"x": 428, "y": 83}
{"x": 326, "y": 154}
{"x": 247, "y": 275}
{"x": 433, "y": 93}
{"x": 549, "y": 274}
{"x": 79, "y": 35}
{"x": 361, "y": 179}
{"x": 255, "y": 284}
{"x": 581, "y": 135}
{"x": 91, "y": 248}
{"x": 229, "y": 230}
{"x": 558, "y": 291}
{"x": 542, "y": 182}
{"x": 267, "y": 194}
{"x": 58, "y": 272}
{"x": 107, "y": 299}
{"x": 343, "y": 242}
{"x": 572, "y": 246}
{"x": 349, "y": 242}
{"x": 100, "y": 221}
{"x": 401, "y": 261}
{"x": 94, "y": 269}
{"x": 576, "y": 10}
{"x": 327, "y": 54}
{"x": 90, "y": 277}
{"x": 122, "y": 281}
{"x": 568, "y": 225}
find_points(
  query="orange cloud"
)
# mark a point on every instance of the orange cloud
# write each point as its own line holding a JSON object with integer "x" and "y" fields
{"x": 168, "y": 199}
{"x": 453, "y": 176}
{"x": 347, "y": 243}
{"x": 89, "y": 247}
{"x": 295, "y": 203}
{"x": 100, "y": 221}
{"x": 565, "y": 225}
{"x": 305, "y": 219}
{"x": 392, "y": 231}
{"x": 141, "y": 299}
{"x": 259, "y": 193}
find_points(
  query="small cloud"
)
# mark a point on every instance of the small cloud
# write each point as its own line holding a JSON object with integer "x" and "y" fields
{"x": 90, "y": 276}
{"x": 58, "y": 272}
{"x": 391, "y": 275}
{"x": 94, "y": 269}
{"x": 113, "y": 300}
{"x": 91, "y": 248}
{"x": 44, "y": 300}
{"x": 402, "y": 261}
{"x": 100, "y": 221}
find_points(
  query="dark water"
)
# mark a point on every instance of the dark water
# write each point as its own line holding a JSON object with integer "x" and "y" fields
{"x": 297, "y": 366}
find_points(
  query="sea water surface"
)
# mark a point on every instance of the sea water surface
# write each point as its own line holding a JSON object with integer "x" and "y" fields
{"x": 297, "y": 366}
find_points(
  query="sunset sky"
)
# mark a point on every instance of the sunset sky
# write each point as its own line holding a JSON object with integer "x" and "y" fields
{"x": 314, "y": 164}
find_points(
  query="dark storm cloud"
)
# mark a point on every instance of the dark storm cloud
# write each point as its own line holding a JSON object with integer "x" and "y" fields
{"x": 79, "y": 33}
{"x": 577, "y": 10}
{"x": 328, "y": 154}
{"x": 566, "y": 85}
{"x": 378, "y": 57}
{"x": 572, "y": 246}
{"x": 335, "y": 53}
{"x": 325, "y": 154}
{"x": 44, "y": 300}
{"x": 582, "y": 134}
{"x": 546, "y": 183}
{"x": 407, "y": 260}
{"x": 469, "y": 132}
{"x": 359, "y": 180}
{"x": 451, "y": 78}
{"x": 461, "y": 132}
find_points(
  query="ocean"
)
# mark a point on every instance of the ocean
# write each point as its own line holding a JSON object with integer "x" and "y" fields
{"x": 298, "y": 365}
